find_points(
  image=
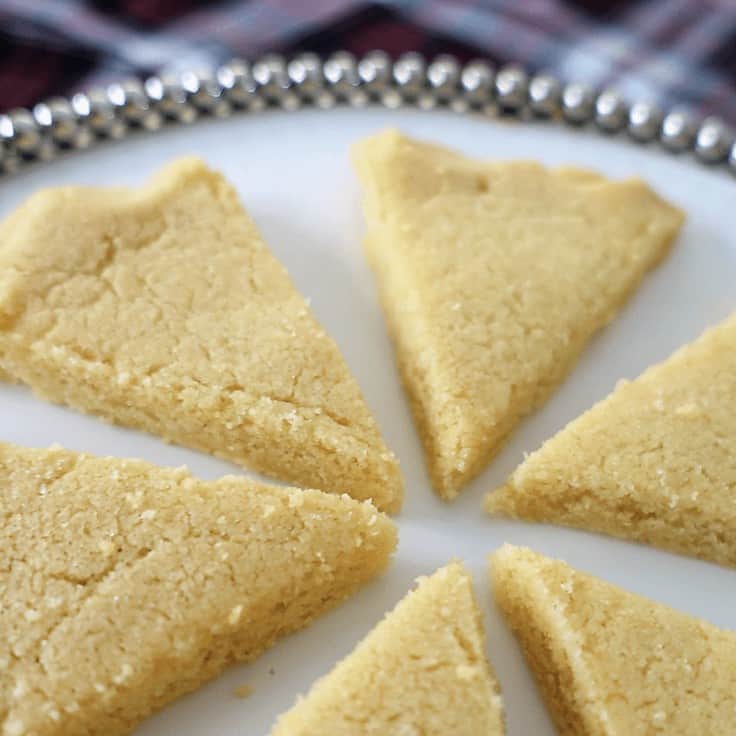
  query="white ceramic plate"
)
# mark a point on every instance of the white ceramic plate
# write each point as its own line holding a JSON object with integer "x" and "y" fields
{"x": 294, "y": 175}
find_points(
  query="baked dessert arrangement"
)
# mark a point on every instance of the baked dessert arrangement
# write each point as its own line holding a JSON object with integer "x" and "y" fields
{"x": 493, "y": 276}
{"x": 654, "y": 462}
{"x": 124, "y": 585}
{"x": 611, "y": 663}
{"x": 161, "y": 308}
{"x": 130, "y": 585}
{"x": 422, "y": 670}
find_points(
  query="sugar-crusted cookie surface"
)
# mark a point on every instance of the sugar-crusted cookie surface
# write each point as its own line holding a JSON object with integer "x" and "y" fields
{"x": 493, "y": 277}
{"x": 162, "y": 308}
{"x": 653, "y": 462}
{"x": 124, "y": 585}
{"x": 422, "y": 670}
{"x": 611, "y": 663}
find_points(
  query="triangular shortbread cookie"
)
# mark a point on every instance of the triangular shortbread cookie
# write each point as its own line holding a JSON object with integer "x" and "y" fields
{"x": 422, "y": 670}
{"x": 493, "y": 277}
{"x": 611, "y": 663}
{"x": 124, "y": 585}
{"x": 654, "y": 462}
{"x": 162, "y": 308}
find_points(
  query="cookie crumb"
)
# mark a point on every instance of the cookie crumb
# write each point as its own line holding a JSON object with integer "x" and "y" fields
{"x": 243, "y": 691}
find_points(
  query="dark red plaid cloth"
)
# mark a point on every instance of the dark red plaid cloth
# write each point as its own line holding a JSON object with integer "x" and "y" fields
{"x": 666, "y": 51}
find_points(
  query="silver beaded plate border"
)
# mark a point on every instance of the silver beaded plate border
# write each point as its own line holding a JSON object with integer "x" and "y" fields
{"x": 66, "y": 124}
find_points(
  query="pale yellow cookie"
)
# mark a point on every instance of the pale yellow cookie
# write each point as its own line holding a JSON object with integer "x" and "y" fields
{"x": 493, "y": 277}
{"x": 422, "y": 670}
{"x": 124, "y": 585}
{"x": 611, "y": 663}
{"x": 654, "y": 462}
{"x": 162, "y": 308}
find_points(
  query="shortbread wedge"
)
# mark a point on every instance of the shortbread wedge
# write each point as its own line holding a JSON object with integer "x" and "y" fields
{"x": 654, "y": 462}
{"x": 493, "y": 276}
{"x": 161, "y": 308}
{"x": 611, "y": 663}
{"x": 124, "y": 585}
{"x": 422, "y": 670}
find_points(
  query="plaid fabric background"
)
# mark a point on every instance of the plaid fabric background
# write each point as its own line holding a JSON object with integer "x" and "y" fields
{"x": 669, "y": 51}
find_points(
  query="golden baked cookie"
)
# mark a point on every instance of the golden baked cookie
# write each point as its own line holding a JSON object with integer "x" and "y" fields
{"x": 162, "y": 308}
{"x": 611, "y": 663}
{"x": 492, "y": 278}
{"x": 422, "y": 670}
{"x": 124, "y": 585}
{"x": 654, "y": 462}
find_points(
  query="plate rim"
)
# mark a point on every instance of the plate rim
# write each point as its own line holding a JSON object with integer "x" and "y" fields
{"x": 61, "y": 125}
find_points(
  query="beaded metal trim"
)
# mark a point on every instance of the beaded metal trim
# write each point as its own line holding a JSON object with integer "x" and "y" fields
{"x": 62, "y": 124}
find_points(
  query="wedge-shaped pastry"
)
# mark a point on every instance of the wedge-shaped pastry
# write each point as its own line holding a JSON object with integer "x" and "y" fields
{"x": 654, "y": 462}
{"x": 422, "y": 670}
{"x": 162, "y": 308}
{"x": 493, "y": 277}
{"x": 611, "y": 663}
{"x": 124, "y": 585}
